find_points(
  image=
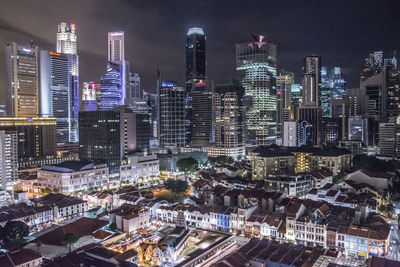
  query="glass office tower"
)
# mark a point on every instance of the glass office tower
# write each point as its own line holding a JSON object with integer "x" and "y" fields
{"x": 256, "y": 62}
{"x": 195, "y": 72}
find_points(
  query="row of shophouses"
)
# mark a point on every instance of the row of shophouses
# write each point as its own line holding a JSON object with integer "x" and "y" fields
{"x": 353, "y": 232}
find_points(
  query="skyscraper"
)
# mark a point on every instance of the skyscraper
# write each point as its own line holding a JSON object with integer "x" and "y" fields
{"x": 256, "y": 62}
{"x": 196, "y": 71}
{"x": 66, "y": 39}
{"x": 116, "y": 81}
{"x": 55, "y": 93}
{"x": 310, "y": 109}
{"x": 67, "y": 44}
{"x": 332, "y": 87}
{"x": 111, "y": 87}
{"x": 202, "y": 110}
{"x": 90, "y": 95}
{"x": 116, "y": 47}
{"x": 22, "y": 70}
{"x": 284, "y": 82}
{"x": 311, "y": 80}
{"x": 172, "y": 115}
{"x": 229, "y": 114}
{"x": 135, "y": 90}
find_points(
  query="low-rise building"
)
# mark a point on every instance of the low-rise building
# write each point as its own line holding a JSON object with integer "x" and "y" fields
{"x": 293, "y": 185}
{"x": 379, "y": 180}
{"x": 267, "y": 160}
{"x": 130, "y": 218}
{"x": 43, "y": 210}
{"x": 21, "y": 258}
{"x": 72, "y": 176}
{"x": 138, "y": 168}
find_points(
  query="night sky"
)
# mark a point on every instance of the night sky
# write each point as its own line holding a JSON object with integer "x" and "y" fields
{"x": 342, "y": 32}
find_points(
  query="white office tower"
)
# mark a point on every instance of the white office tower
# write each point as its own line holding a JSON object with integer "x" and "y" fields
{"x": 116, "y": 50}
{"x": 116, "y": 57}
{"x": 67, "y": 44}
{"x": 66, "y": 39}
{"x": 8, "y": 161}
{"x": 289, "y": 133}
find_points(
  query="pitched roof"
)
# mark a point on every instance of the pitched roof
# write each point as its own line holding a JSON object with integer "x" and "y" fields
{"x": 81, "y": 227}
{"x": 18, "y": 257}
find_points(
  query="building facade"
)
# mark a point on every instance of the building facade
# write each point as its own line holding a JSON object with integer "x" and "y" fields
{"x": 8, "y": 159}
{"x": 196, "y": 72}
{"x": 67, "y": 44}
{"x": 256, "y": 61}
{"x": 172, "y": 115}
{"x": 72, "y": 176}
{"x": 22, "y": 74}
{"x": 36, "y": 136}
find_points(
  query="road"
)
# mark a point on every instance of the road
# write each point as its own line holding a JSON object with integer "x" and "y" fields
{"x": 394, "y": 252}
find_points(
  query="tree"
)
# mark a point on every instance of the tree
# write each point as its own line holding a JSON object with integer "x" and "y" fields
{"x": 177, "y": 187}
{"x": 221, "y": 160}
{"x": 187, "y": 164}
{"x": 113, "y": 227}
{"x": 68, "y": 240}
{"x": 14, "y": 232}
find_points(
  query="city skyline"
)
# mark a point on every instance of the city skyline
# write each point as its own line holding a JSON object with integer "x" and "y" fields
{"x": 295, "y": 34}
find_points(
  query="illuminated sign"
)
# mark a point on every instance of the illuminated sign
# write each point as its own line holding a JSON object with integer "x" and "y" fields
{"x": 27, "y": 50}
{"x": 168, "y": 84}
{"x": 55, "y": 54}
{"x": 117, "y": 33}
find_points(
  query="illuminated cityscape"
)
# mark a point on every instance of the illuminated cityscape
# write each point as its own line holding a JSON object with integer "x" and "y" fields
{"x": 199, "y": 133}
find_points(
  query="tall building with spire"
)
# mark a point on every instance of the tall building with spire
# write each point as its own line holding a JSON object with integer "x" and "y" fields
{"x": 196, "y": 73}
{"x": 117, "y": 77}
{"x": 256, "y": 63}
{"x": 22, "y": 74}
{"x": 67, "y": 44}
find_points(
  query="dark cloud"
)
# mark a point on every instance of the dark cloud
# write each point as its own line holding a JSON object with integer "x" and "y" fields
{"x": 343, "y": 32}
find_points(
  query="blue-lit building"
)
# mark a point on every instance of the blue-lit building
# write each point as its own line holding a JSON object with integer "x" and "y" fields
{"x": 111, "y": 89}
{"x": 58, "y": 95}
{"x": 296, "y": 93}
{"x": 223, "y": 218}
{"x": 332, "y": 87}
{"x": 304, "y": 134}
